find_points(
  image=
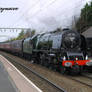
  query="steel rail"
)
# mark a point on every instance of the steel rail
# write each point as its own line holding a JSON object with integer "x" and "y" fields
{"x": 87, "y": 76}
{"x": 37, "y": 74}
{"x": 81, "y": 82}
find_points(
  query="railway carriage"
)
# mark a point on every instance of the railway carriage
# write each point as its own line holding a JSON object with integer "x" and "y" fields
{"x": 6, "y": 46}
{"x": 16, "y": 47}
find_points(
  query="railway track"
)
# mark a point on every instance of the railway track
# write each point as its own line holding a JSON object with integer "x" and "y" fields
{"x": 88, "y": 75}
{"x": 81, "y": 80}
{"x": 58, "y": 88}
{"x": 85, "y": 80}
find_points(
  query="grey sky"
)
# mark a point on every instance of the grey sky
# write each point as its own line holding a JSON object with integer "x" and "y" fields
{"x": 42, "y": 15}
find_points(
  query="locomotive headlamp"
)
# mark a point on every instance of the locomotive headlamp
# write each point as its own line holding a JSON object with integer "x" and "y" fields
{"x": 89, "y": 63}
{"x": 68, "y": 64}
{"x": 86, "y": 57}
{"x": 76, "y": 58}
{"x": 64, "y": 58}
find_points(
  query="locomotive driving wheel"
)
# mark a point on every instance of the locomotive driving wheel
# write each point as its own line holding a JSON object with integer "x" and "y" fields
{"x": 52, "y": 63}
{"x": 42, "y": 59}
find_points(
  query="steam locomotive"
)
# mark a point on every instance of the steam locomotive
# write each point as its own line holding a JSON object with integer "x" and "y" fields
{"x": 64, "y": 51}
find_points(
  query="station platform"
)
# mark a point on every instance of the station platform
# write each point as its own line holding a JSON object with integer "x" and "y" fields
{"x": 12, "y": 80}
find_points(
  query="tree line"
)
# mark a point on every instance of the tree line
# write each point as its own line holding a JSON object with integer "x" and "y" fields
{"x": 23, "y": 34}
{"x": 85, "y": 19}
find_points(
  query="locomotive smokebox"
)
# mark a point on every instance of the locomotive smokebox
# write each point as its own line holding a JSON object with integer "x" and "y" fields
{"x": 71, "y": 40}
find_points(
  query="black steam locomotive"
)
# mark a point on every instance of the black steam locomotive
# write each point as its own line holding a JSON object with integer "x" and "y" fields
{"x": 64, "y": 51}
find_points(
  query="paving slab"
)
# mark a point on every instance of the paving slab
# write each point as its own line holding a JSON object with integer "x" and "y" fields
{"x": 6, "y": 83}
